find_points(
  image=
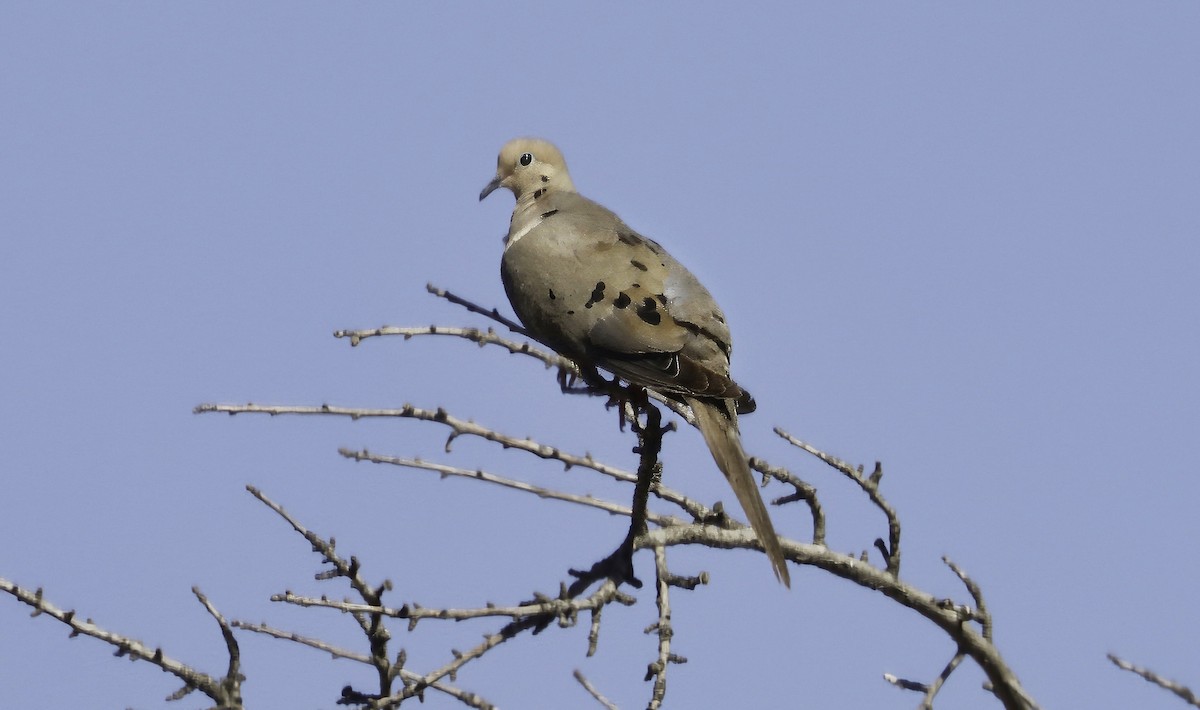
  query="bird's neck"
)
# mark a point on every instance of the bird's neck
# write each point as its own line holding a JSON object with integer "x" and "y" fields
{"x": 531, "y": 208}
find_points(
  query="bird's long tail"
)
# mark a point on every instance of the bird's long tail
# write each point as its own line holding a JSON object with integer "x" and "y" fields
{"x": 721, "y": 434}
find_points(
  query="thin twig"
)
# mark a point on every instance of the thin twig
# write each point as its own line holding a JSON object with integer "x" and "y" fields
{"x": 492, "y": 313}
{"x": 468, "y": 698}
{"x": 936, "y": 685}
{"x": 804, "y": 491}
{"x": 315, "y": 643}
{"x": 949, "y": 617}
{"x": 371, "y": 623}
{"x": 591, "y": 689}
{"x": 981, "y": 613}
{"x": 225, "y": 692}
{"x": 929, "y": 690}
{"x": 475, "y": 335}
{"x": 415, "y": 612}
{"x": 1185, "y": 693}
{"x": 658, "y": 669}
{"x": 603, "y": 595}
{"x": 870, "y": 486}
{"x": 458, "y": 427}
{"x": 232, "y": 682}
{"x": 462, "y": 427}
{"x": 481, "y": 475}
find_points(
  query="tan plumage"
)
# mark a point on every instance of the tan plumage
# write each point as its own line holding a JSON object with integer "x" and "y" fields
{"x": 587, "y": 285}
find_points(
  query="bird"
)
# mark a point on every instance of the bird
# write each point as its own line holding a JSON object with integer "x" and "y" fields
{"x": 587, "y": 285}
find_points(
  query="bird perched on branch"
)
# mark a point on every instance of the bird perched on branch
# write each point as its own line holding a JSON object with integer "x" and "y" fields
{"x": 587, "y": 285}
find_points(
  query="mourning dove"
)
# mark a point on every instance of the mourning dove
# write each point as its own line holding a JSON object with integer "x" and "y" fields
{"x": 587, "y": 285}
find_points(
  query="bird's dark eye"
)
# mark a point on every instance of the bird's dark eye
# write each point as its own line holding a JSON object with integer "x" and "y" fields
{"x": 526, "y": 158}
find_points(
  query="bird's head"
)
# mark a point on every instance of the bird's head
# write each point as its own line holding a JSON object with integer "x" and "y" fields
{"x": 527, "y": 165}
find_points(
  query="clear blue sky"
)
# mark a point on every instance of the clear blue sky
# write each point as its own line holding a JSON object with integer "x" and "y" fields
{"x": 958, "y": 238}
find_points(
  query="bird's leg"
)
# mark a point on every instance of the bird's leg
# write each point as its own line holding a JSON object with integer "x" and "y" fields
{"x": 595, "y": 385}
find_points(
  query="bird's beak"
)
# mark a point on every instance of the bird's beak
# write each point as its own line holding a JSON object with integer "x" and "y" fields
{"x": 490, "y": 188}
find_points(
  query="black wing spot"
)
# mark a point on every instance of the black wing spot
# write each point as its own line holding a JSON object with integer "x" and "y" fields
{"x": 622, "y": 300}
{"x": 661, "y": 299}
{"x": 545, "y": 178}
{"x": 570, "y": 313}
{"x": 539, "y": 192}
{"x": 547, "y": 214}
{"x": 628, "y": 238}
{"x": 552, "y": 296}
{"x": 718, "y": 316}
{"x": 597, "y": 295}
{"x": 648, "y": 312}
{"x": 637, "y": 265}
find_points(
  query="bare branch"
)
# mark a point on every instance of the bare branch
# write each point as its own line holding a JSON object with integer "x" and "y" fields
{"x": 905, "y": 683}
{"x": 981, "y": 613}
{"x": 870, "y": 486}
{"x": 458, "y": 427}
{"x": 468, "y": 698}
{"x": 930, "y": 690}
{"x": 566, "y": 366}
{"x": 492, "y": 313}
{"x": 804, "y": 491}
{"x": 371, "y": 624}
{"x": 318, "y": 644}
{"x": 947, "y": 616}
{"x": 1185, "y": 693}
{"x": 225, "y": 692}
{"x": 481, "y": 475}
{"x": 711, "y": 528}
{"x": 232, "y": 682}
{"x": 591, "y": 689}
{"x": 605, "y": 594}
{"x": 342, "y": 567}
{"x": 462, "y": 427}
{"x": 658, "y": 669}
{"x": 927, "y": 701}
{"x": 559, "y": 607}
{"x": 475, "y": 335}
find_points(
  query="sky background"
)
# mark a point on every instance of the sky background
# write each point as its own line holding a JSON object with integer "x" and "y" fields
{"x": 959, "y": 238}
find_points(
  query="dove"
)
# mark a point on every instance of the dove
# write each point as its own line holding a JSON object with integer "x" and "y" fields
{"x": 586, "y": 284}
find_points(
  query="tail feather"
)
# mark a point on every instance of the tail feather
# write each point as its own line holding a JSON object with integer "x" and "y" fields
{"x": 720, "y": 433}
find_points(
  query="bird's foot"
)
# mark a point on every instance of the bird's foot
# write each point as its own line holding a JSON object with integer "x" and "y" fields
{"x": 618, "y": 567}
{"x": 588, "y": 381}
